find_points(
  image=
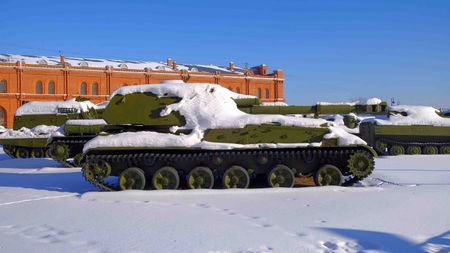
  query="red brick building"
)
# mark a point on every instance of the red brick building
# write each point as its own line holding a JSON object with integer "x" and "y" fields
{"x": 26, "y": 78}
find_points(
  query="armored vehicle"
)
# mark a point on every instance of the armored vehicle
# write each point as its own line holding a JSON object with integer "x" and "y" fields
{"x": 408, "y": 130}
{"x": 176, "y": 135}
{"x": 35, "y": 122}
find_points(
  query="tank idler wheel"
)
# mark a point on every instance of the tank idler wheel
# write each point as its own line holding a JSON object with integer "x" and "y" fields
{"x": 79, "y": 160}
{"x": 381, "y": 147}
{"x": 37, "y": 153}
{"x": 281, "y": 176}
{"x": 414, "y": 150}
{"x": 59, "y": 152}
{"x": 430, "y": 150}
{"x": 360, "y": 164}
{"x": 236, "y": 177}
{"x": 132, "y": 178}
{"x": 166, "y": 178}
{"x": 200, "y": 178}
{"x": 22, "y": 153}
{"x": 397, "y": 150}
{"x": 445, "y": 150}
{"x": 328, "y": 175}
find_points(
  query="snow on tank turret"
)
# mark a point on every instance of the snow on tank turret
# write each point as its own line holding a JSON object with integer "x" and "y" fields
{"x": 409, "y": 129}
{"x": 195, "y": 136}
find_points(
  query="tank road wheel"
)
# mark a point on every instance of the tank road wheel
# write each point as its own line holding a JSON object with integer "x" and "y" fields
{"x": 235, "y": 177}
{"x": 397, "y": 150}
{"x": 79, "y": 160}
{"x": 166, "y": 178}
{"x": 281, "y": 176}
{"x": 59, "y": 152}
{"x": 360, "y": 164}
{"x": 200, "y": 178}
{"x": 132, "y": 178}
{"x": 414, "y": 150}
{"x": 22, "y": 153}
{"x": 381, "y": 147}
{"x": 328, "y": 175}
{"x": 445, "y": 150}
{"x": 430, "y": 150}
{"x": 37, "y": 153}
{"x": 47, "y": 153}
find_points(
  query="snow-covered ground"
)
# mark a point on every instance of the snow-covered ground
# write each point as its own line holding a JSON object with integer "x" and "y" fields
{"x": 403, "y": 207}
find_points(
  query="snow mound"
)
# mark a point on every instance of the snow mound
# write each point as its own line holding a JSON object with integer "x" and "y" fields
{"x": 40, "y": 107}
{"x": 370, "y": 101}
{"x": 206, "y": 106}
{"x": 414, "y": 115}
{"x": 40, "y": 131}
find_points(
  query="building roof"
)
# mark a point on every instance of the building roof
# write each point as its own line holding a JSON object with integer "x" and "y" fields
{"x": 102, "y": 63}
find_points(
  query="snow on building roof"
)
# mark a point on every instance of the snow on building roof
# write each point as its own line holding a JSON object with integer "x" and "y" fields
{"x": 414, "y": 115}
{"x": 123, "y": 64}
{"x": 41, "y": 107}
{"x": 204, "y": 106}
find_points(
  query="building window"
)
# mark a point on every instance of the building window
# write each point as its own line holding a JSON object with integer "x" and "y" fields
{"x": 238, "y": 90}
{"x": 43, "y": 62}
{"x": 2, "y": 86}
{"x": 83, "y": 64}
{"x": 38, "y": 87}
{"x": 123, "y": 66}
{"x": 2, "y": 116}
{"x": 83, "y": 89}
{"x": 94, "y": 89}
{"x": 266, "y": 93}
{"x": 258, "y": 92}
{"x": 51, "y": 87}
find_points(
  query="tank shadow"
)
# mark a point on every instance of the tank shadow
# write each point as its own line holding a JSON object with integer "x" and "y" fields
{"x": 372, "y": 240}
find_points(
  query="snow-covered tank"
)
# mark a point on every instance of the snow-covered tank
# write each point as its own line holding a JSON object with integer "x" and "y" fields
{"x": 176, "y": 135}
{"x": 35, "y": 122}
{"x": 408, "y": 130}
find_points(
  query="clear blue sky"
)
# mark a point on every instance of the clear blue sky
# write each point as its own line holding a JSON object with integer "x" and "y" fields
{"x": 329, "y": 50}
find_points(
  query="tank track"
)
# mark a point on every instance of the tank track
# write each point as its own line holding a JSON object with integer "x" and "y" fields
{"x": 330, "y": 155}
{"x": 405, "y": 143}
{"x": 70, "y": 143}
{"x": 10, "y": 150}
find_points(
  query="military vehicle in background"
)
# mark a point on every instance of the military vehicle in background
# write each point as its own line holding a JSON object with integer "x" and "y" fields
{"x": 198, "y": 136}
{"x": 35, "y": 122}
{"x": 408, "y": 130}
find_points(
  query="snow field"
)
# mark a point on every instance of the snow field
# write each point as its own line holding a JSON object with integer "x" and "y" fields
{"x": 402, "y": 207}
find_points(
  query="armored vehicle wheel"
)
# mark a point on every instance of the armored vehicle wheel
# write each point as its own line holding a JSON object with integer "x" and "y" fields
{"x": 445, "y": 150}
{"x": 37, "y": 153}
{"x": 47, "y": 153}
{"x": 430, "y": 150}
{"x": 397, "y": 150}
{"x": 166, "y": 178}
{"x": 328, "y": 175}
{"x": 79, "y": 160}
{"x": 236, "y": 177}
{"x": 59, "y": 152}
{"x": 360, "y": 164}
{"x": 381, "y": 147}
{"x": 200, "y": 178}
{"x": 132, "y": 178}
{"x": 281, "y": 176}
{"x": 22, "y": 153}
{"x": 413, "y": 150}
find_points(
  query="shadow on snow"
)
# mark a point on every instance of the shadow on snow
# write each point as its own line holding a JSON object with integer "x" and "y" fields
{"x": 371, "y": 240}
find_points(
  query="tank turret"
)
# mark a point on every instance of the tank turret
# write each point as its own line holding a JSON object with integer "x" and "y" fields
{"x": 177, "y": 135}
